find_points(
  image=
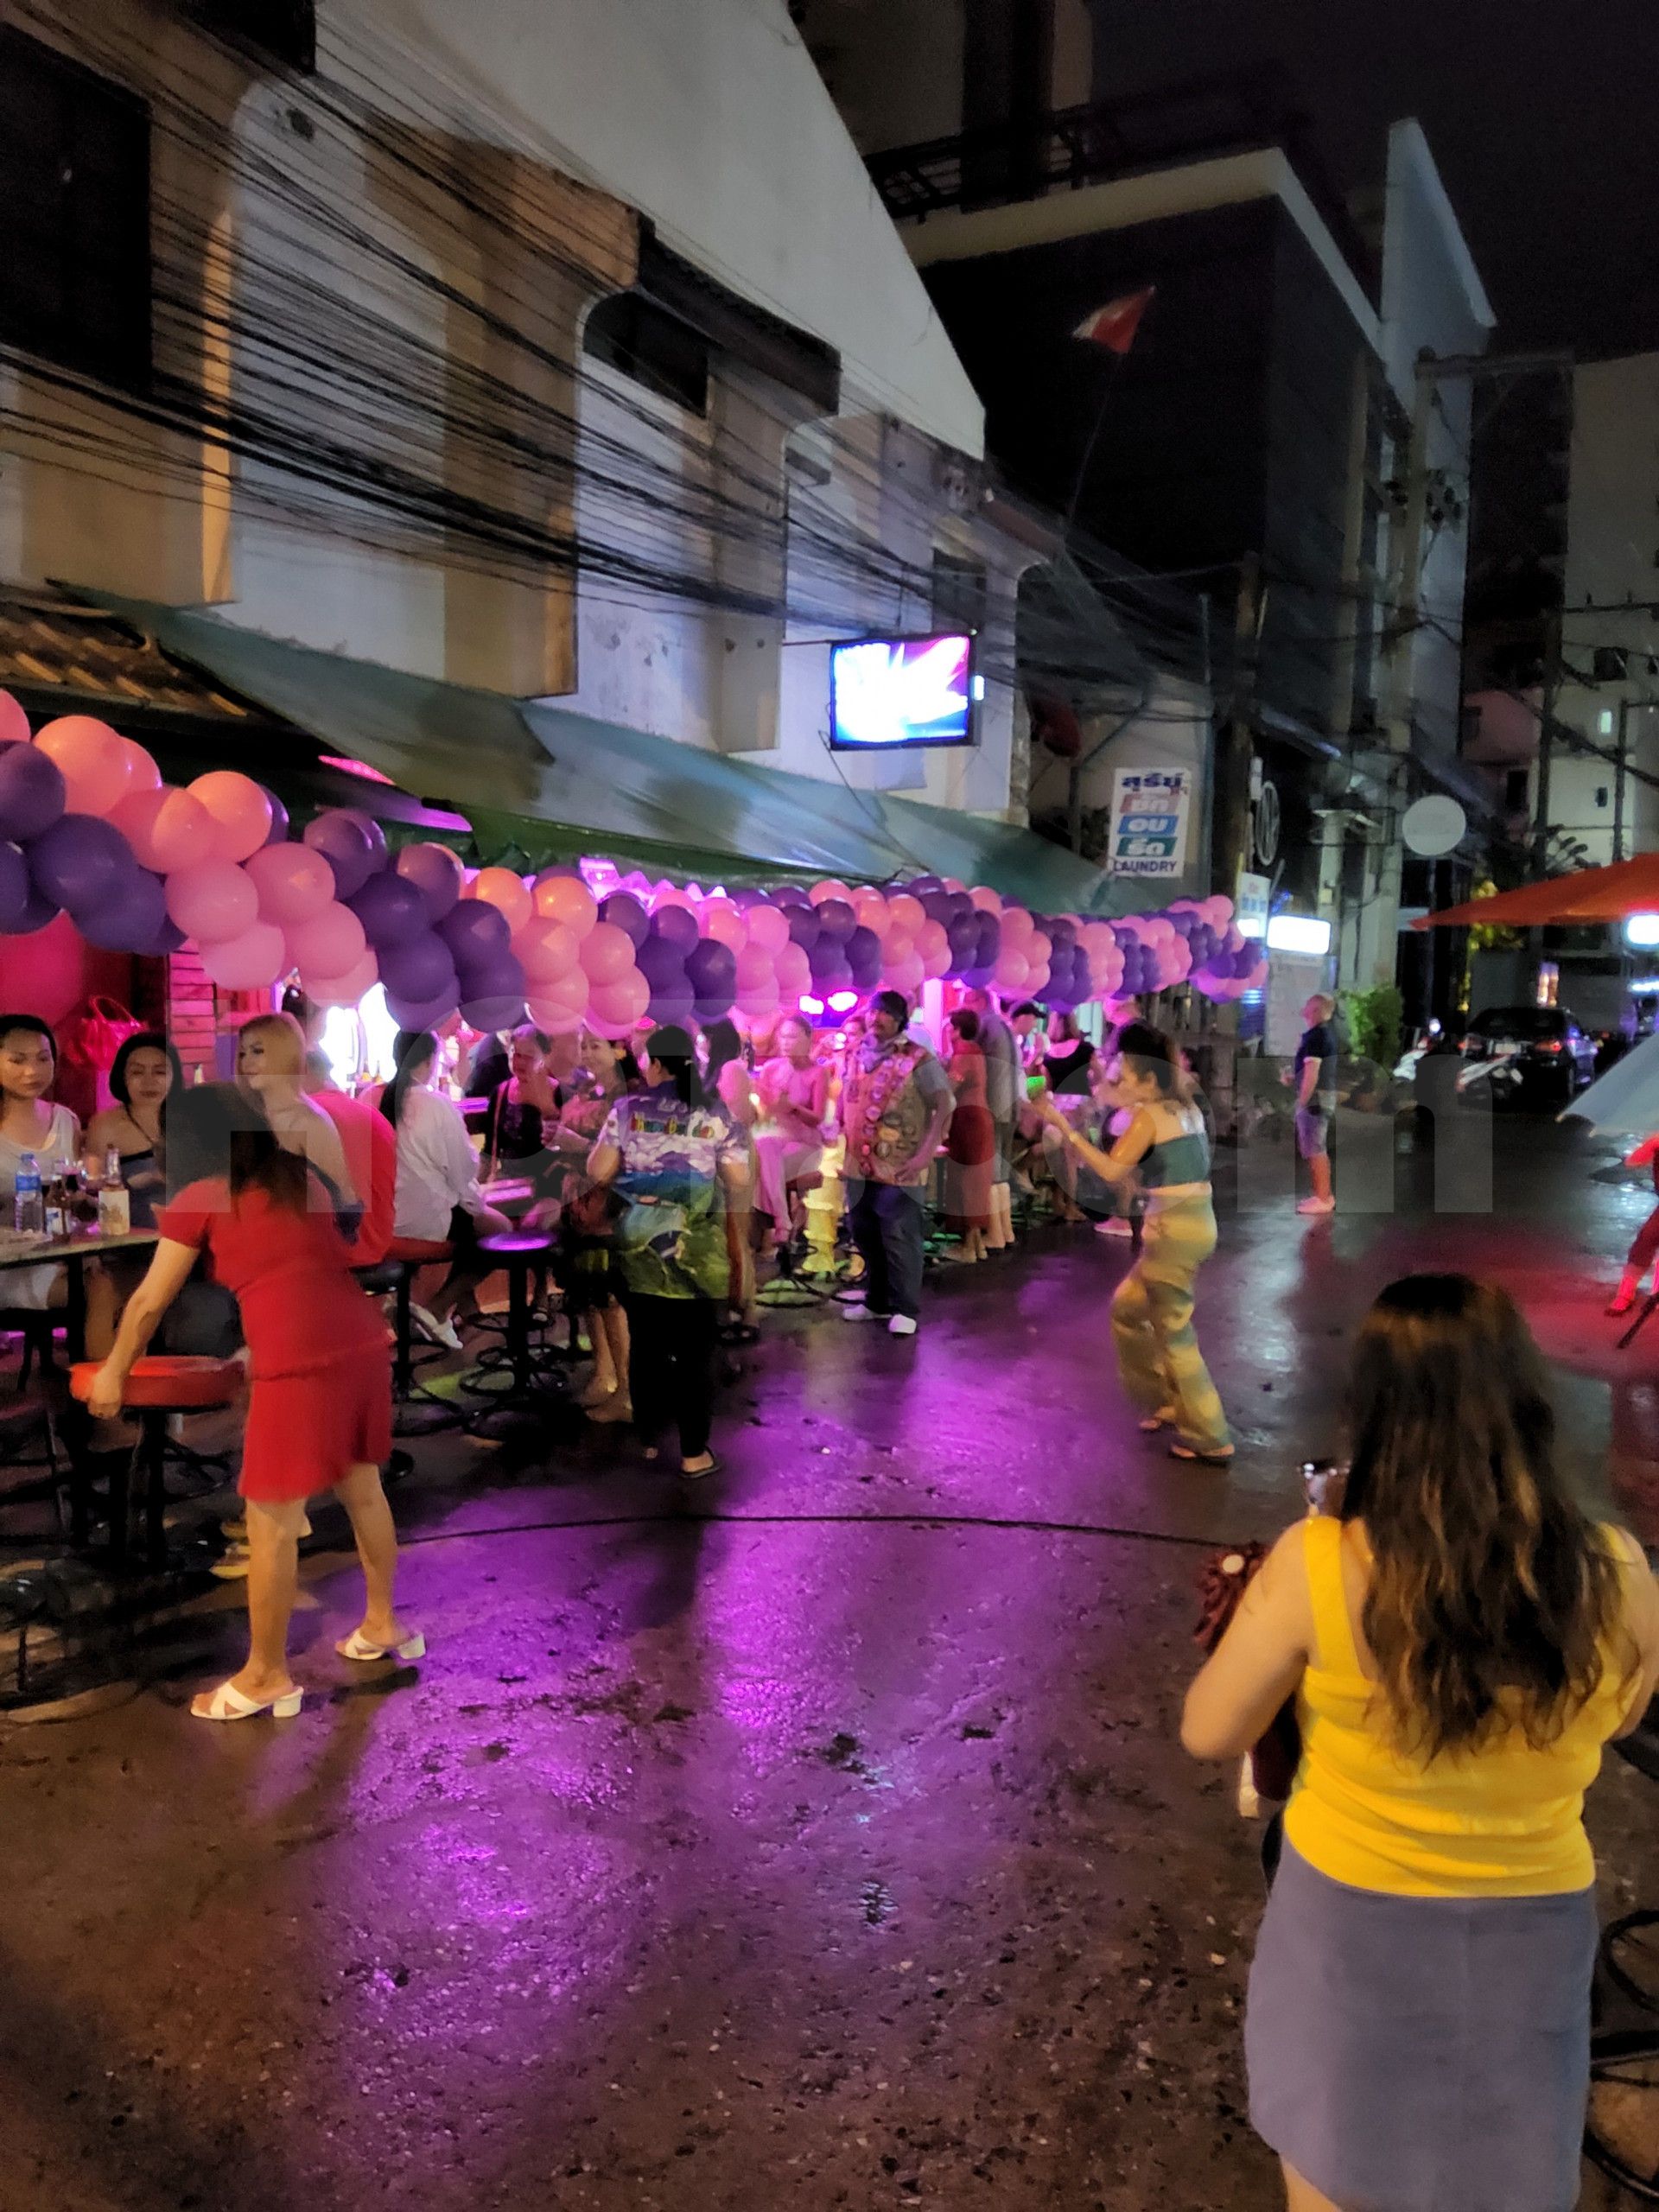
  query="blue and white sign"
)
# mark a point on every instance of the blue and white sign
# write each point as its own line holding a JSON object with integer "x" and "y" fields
{"x": 1149, "y": 815}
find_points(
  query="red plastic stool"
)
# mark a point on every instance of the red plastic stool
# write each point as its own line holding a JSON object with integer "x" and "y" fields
{"x": 156, "y": 1389}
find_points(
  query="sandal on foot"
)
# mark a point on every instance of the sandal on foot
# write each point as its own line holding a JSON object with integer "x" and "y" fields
{"x": 1619, "y": 1305}
{"x": 716, "y": 1466}
{"x": 1190, "y": 1453}
{"x": 1153, "y": 1422}
{"x": 229, "y": 1703}
{"x": 357, "y": 1646}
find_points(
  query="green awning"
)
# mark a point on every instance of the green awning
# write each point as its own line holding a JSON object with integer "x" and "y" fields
{"x": 541, "y": 783}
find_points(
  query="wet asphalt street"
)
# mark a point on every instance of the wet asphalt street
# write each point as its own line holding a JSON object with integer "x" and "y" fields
{"x": 816, "y": 1837}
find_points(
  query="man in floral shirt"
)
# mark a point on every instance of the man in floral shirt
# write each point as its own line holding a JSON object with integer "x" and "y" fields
{"x": 895, "y": 1109}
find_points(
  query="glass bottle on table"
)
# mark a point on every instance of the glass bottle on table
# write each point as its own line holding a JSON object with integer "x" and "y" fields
{"x": 53, "y": 1206}
{"x": 114, "y": 1206}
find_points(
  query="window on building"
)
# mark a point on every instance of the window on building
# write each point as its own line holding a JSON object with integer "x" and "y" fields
{"x": 959, "y": 593}
{"x": 632, "y": 335}
{"x": 75, "y": 182}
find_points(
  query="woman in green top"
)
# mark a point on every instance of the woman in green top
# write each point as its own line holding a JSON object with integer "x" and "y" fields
{"x": 1165, "y": 1150}
{"x": 681, "y": 1167}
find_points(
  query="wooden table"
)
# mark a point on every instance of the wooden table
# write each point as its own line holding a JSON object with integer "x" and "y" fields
{"x": 72, "y": 1253}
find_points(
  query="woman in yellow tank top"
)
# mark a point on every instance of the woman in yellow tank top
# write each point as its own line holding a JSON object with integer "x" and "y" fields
{"x": 1461, "y": 1643}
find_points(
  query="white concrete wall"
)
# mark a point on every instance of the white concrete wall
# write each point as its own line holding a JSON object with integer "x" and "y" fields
{"x": 1612, "y": 557}
{"x": 711, "y": 118}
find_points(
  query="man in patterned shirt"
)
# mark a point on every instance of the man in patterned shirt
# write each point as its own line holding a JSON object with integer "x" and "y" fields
{"x": 895, "y": 1109}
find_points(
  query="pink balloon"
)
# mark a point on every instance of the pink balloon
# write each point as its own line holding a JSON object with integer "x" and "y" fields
{"x": 329, "y": 943}
{"x": 565, "y": 899}
{"x": 92, "y": 759}
{"x": 239, "y": 809}
{"x": 562, "y": 1007}
{"x": 213, "y": 902}
{"x": 549, "y": 950}
{"x": 622, "y": 1004}
{"x": 606, "y": 954}
{"x": 14, "y": 722}
{"x": 1217, "y": 910}
{"x": 831, "y": 887}
{"x": 793, "y": 970}
{"x": 756, "y": 969}
{"x": 669, "y": 895}
{"x": 1012, "y": 972}
{"x": 168, "y": 829}
{"x": 294, "y": 883}
{"x": 247, "y": 962}
{"x": 767, "y": 928}
{"x": 933, "y": 949}
{"x": 1037, "y": 979}
{"x": 898, "y": 945}
{"x": 1097, "y": 939}
{"x": 722, "y": 922}
{"x": 1018, "y": 928}
{"x": 500, "y": 888}
{"x": 907, "y": 914}
{"x": 143, "y": 774}
{"x": 1039, "y": 949}
{"x": 760, "y": 1003}
{"x": 951, "y": 885}
{"x": 986, "y": 901}
{"x": 871, "y": 908}
{"x": 908, "y": 976}
{"x": 345, "y": 990}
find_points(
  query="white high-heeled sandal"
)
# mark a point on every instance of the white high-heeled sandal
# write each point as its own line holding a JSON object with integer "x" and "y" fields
{"x": 229, "y": 1703}
{"x": 357, "y": 1646}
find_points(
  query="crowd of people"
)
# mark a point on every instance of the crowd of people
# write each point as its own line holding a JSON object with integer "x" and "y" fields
{"x": 1448, "y": 1642}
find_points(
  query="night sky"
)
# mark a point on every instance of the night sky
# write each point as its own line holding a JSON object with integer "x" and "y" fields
{"x": 1543, "y": 116}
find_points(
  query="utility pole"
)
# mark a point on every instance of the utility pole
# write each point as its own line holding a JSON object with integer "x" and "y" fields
{"x": 1620, "y": 762}
{"x": 1547, "y": 743}
{"x": 1229, "y": 848}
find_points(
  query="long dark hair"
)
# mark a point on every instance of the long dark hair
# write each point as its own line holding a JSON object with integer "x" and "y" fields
{"x": 144, "y": 1040}
{"x": 721, "y": 1046}
{"x": 411, "y": 1049}
{"x": 215, "y": 1132}
{"x": 1492, "y": 1597}
{"x": 671, "y": 1049}
{"x": 1151, "y": 1053}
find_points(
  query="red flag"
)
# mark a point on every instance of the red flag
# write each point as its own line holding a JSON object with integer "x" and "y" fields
{"x": 1114, "y": 324}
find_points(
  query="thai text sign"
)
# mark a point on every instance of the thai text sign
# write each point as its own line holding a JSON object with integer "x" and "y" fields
{"x": 1149, "y": 812}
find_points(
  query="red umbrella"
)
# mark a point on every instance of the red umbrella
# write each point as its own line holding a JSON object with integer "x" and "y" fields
{"x": 1593, "y": 895}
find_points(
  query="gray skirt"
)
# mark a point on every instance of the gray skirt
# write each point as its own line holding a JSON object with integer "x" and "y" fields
{"x": 1422, "y": 2053}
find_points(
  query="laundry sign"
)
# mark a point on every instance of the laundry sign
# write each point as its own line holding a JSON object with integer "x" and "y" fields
{"x": 1150, "y": 814}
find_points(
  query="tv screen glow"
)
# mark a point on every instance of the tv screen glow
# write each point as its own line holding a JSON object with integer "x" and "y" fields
{"x": 885, "y": 692}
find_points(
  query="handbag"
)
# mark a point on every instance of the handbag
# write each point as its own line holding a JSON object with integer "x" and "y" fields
{"x": 87, "y": 1045}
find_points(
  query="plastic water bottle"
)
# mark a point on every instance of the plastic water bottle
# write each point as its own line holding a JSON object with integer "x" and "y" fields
{"x": 28, "y": 1205}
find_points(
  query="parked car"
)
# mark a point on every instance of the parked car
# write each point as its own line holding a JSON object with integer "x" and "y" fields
{"x": 1537, "y": 1053}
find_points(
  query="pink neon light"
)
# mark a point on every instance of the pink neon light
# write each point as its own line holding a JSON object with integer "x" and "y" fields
{"x": 359, "y": 768}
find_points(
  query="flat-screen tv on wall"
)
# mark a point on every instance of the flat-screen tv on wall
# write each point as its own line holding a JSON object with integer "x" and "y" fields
{"x": 889, "y": 692}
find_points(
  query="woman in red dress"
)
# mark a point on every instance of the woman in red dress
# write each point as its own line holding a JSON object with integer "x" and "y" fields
{"x": 970, "y": 1147}
{"x": 320, "y": 1411}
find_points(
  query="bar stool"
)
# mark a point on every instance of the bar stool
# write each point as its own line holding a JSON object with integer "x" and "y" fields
{"x": 157, "y": 1388}
{"x": 521, "y": 1253}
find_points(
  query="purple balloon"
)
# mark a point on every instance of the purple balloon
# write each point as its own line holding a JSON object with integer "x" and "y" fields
{"x": 131, "y": 919}
{"x": 500, "y": 978}
{"x": 662, "y": 965}
{"x": 827, "y": 959}
{"x": 676, "y": 926}
{"x": 919, "y": 886}
{"x": 170, "y": 937}
{"x": 477, "y": 934}
{"x": 746, "y": 899}
{"x": 937, "y": 905}
{"x": 279, "y": 824}
{"x": 422, "y": 1014}
{"x": 33, "y": 793}
{"x": 40, "y": 911}
{"x": 677, "y": 1007}
{"x": 803, "y": 925}
{"x": 863, "y": 950}
{"x": 623, "y": 911}
{"x": 16, "y": 890}
{"x": 503, "y": 1013}
{"x": 436, "y": 874}
{"x": 344, "y": 842}
{"x": 419, "y": 970}
{"x": 790, "y": 894}
{"x": 837, "y": 920}
{"x": 80, "y": 862}
{"x": 391, "y": 908}
{"x": 711, "y": 969}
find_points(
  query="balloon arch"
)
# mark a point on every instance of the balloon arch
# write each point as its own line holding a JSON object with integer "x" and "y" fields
{"x": 87, "y": 828}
